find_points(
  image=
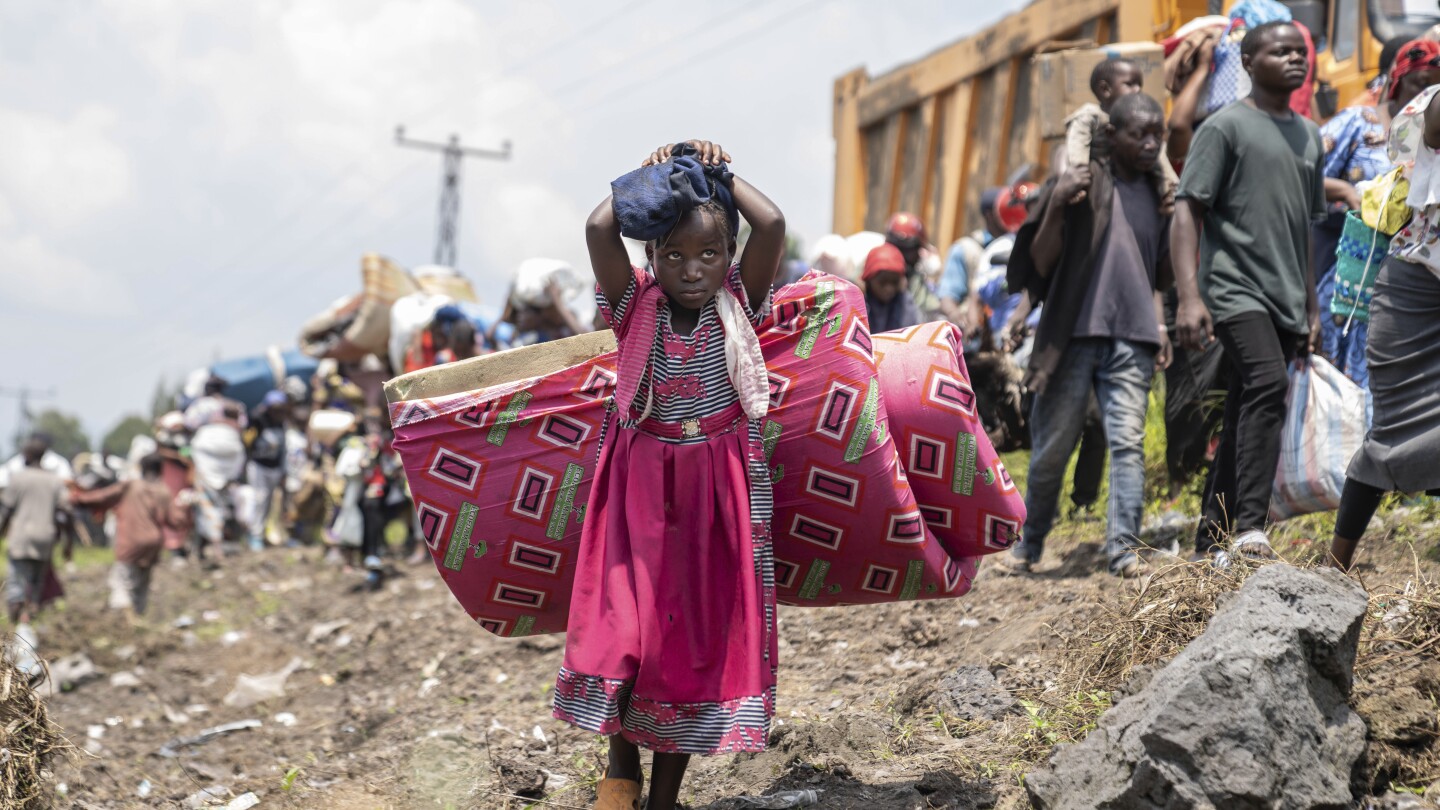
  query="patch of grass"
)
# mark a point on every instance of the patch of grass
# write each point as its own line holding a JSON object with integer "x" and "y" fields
{"x": 266, "y": 604}
{"x": 84, "y": 557}
{"x": 211, "y": 631}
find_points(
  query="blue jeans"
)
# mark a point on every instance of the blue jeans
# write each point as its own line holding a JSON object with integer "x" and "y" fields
{"x": 1119, "y": 373}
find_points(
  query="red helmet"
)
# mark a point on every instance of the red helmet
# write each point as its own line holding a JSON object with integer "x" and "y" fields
{"x": 905, "y": 228}
{"x": 1010, "y": 205}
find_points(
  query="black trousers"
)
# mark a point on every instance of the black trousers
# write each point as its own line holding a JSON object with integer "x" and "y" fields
{"x": 375, "y": 516}
{"x": 1090, "y": 465}
{"x": 1237, "y": 491}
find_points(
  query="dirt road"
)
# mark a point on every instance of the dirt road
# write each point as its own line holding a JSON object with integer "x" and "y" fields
{"x": 399, "y": 701}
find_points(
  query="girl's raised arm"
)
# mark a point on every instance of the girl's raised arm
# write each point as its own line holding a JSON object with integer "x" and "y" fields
{"x": 766, "y": 246}
{"x": 607, "y": 253}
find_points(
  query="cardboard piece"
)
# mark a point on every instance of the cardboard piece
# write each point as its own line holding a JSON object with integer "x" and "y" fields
{"x": 489, "y": 370}
{"x": 1062, "y": 79}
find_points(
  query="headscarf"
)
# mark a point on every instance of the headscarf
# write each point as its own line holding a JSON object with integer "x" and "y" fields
{"x": 883, "y": 259}
{"x": 1414, "y": 55}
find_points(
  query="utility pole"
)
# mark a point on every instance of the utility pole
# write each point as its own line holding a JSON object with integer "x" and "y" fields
{"x": 24, "y": 395}
{"x": 451, "y": 153}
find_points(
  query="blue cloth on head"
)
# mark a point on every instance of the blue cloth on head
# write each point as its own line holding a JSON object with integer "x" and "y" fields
{"x": 1255, "y": 13}
{"x": 449, "y": 314}
{"x": 649, "y": 201}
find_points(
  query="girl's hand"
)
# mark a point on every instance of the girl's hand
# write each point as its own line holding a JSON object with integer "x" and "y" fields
{"x": 710, "y": 154}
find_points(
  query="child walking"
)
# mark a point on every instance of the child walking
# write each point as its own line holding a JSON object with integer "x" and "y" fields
{"x": 672, "y": 644}
{"x": 1109, "y": 81}
{"x": 144, "y": 509}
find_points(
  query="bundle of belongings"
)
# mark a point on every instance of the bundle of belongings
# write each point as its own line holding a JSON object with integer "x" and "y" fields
{"x": 1228, "y": 81}
{"x": 885, "y": 485}
{"x": 361, "y": 324}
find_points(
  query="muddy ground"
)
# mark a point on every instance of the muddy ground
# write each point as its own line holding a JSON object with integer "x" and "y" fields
{"x": 410, "y": 705}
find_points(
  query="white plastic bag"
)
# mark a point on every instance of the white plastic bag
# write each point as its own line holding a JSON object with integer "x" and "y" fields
{"x": 533, "y": 279}
{"x": 408, "y": 317}
{"x": 1325, "y": 421}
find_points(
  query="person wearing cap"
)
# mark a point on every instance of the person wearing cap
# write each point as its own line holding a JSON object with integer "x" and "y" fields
{"x": 887, "y": 301}
{"x": 959, "y": 301}
{"x": 907, "y": 233}
{"x": 1356, "y": 152}
{"x": 996, "y": 301}
{"x": 1096, "y": 266}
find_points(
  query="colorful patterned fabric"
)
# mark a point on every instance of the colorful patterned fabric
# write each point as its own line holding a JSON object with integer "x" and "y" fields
{"x": 1228, "y": 80}
{"x": 1355, "y": 149}
{"x": 677, "y": 525}
{"x": 1358, "y": 257}
{"x": 1419, "y": 241}
{"x": 885, "y": 485}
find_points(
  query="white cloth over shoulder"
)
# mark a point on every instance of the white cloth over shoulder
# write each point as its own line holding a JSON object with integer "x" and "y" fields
{"x": 743, "y": 359}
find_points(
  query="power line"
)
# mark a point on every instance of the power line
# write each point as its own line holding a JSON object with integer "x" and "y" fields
{"x": 588, "y": 78}
{"x": 341, "y": 176}
{"x": 713, "y": 50}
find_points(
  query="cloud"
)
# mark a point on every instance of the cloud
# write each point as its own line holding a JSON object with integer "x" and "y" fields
{"x": 213, "y": 170}
{"x": 56, "y": 173}
{"x": 35, "y": 276}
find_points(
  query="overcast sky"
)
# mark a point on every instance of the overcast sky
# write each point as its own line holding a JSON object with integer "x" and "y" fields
{"x": 182, "y": 180}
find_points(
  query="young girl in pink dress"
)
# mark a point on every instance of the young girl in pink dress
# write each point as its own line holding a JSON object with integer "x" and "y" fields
{"x": 672, "y": 643}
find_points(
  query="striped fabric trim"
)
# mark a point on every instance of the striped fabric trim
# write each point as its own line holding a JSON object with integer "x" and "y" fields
{"x": 606, "y": 706}
{"x": 590, "y": 702}
{"x": 762, "y": 495}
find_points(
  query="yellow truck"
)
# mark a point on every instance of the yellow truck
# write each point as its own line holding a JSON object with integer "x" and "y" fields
{"x": 929, "y": 136}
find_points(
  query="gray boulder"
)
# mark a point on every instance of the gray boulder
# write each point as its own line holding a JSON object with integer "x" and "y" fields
{"x": 1253, "y": 714}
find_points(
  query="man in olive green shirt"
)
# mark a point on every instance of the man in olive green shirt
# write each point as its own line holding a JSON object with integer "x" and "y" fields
{"x": 1253, "y": 179}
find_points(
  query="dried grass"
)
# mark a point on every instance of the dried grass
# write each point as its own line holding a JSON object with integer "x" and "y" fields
{"x": 1149, "y": 626}
{"x": 29, "y": 743}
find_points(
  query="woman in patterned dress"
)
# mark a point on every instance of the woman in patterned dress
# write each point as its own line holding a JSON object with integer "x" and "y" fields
{"x": 1355, "y": 152}
{"x": 1403, "y": 441}
{"x": 671, "y": 643}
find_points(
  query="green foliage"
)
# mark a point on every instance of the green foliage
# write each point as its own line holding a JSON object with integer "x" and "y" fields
{"x": 67, "y": 435}
{"x": 1160, "y": 495}
{"x": 1066, "y": 722}
{"x": 164, "y": 399}
{"x": 117, "y": 441}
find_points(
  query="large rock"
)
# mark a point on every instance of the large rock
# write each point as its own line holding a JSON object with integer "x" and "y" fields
{"x": 1253, "y": 714}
